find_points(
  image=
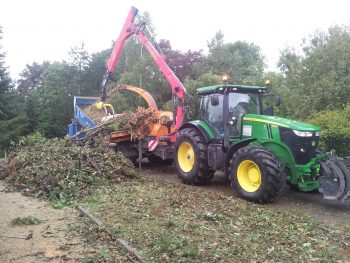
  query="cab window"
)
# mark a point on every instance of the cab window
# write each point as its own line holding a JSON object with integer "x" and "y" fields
{"x": 213, "y": 114}
{"x": 240, "y": 103}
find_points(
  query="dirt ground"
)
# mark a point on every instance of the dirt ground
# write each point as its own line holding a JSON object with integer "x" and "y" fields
{"x": 329, "y": 212}
{"x": 44, "y": 242}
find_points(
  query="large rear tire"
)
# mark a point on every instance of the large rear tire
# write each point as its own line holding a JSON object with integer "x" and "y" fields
{"x": 191, "y": 158}
{"x": 257, "y": 174}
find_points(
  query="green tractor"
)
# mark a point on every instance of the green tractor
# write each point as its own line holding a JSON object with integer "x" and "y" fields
{"x": 258, "y": 152}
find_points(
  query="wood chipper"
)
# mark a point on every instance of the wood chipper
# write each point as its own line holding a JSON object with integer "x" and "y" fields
{"x": 258, "y": 152}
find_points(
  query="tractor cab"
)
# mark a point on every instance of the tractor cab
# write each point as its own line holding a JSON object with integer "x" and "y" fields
{"x": 223, "y": 106}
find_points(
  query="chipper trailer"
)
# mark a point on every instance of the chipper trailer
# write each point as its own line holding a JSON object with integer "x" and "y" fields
{"x": 258, "y": 152}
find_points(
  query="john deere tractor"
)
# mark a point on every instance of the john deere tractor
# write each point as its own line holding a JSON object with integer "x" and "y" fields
{"x": 259, "y": 153}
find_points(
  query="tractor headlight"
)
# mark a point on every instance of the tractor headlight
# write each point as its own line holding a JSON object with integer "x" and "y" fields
{"x": 303, "y": 133}
{"x": 317, "y": 134}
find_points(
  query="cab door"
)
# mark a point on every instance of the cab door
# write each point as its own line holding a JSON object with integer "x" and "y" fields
{"x": 240, "y": 104}
{"x": 211, "y": 112}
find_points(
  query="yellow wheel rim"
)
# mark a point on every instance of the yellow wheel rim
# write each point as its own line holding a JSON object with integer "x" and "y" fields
{"x": 249, "y": 176}
{"x": 185, "y": 157}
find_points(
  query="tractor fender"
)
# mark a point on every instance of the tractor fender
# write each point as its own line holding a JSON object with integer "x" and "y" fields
{"x": 282, "y": 152}
{"x": 233, "y": 148}
{"x": 198, "y": 127}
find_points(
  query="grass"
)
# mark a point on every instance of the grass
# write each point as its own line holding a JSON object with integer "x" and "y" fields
{"x": 20, "y": 221}
{"x": 174, "y": 223}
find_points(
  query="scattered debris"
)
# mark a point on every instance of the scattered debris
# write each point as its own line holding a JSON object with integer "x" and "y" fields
{"x": 36, "y": 254}
{"x": 29, "y": 236}
{"x": 50, "y": 254}
{"x": 122, "y": 242}
{"x": 176, "y": 223}
{"x": 86, "y": 212}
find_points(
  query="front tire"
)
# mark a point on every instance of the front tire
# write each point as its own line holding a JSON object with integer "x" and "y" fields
{"x": 191, "y": 158}
{"x": 257, "y": 174}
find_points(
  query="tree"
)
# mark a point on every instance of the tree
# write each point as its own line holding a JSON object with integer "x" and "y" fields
{"x": 5, "y": 87}
{"x": 319, "y": 78}
{"x": 241, "y": 60}
{"x": 205, "y": 80}
{"x": 12, "y": 122}
{"x": 79, "y": 60}
{"x": 31, "y": 78}
{"x": 55, "y": 100}
{"x": 216, "y": 42}
{"x": 95, "y": 71}
{"x": 184, "y": 65}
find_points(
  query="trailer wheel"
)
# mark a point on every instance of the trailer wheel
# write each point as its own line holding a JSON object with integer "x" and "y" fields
{"x": 191, "y": 159}
{"x": 257, "y": 174}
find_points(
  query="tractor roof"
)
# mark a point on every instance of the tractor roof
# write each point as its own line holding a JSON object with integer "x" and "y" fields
{"x": 235, "y": 88}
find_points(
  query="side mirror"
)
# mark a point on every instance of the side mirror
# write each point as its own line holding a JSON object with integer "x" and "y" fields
{"x": 214, "y": 100}
{"x": 277, "y": 100}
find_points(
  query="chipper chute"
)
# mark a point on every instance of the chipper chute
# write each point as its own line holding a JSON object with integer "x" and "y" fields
{"x": 104, "y": 111}
{"x": 335, "y": 178}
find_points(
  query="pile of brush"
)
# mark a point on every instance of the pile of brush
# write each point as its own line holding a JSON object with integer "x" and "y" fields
{"x": 136, "y": 123}
{"x": 70, "y": 168}
{"x": 56, "y": 169}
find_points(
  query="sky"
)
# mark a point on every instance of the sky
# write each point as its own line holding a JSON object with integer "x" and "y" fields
{"x": 39, "y": 30}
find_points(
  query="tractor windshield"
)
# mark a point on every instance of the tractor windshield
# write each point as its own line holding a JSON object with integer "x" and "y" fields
{"x": 239, "y": 104}
{"x": 242, "y": 103}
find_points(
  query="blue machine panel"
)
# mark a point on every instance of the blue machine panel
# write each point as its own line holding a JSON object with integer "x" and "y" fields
{"x": 81, "y": 120}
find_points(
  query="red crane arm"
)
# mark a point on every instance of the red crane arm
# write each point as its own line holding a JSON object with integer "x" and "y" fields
{"x": 177, "y": 88}
{"x": 125, "y": 33}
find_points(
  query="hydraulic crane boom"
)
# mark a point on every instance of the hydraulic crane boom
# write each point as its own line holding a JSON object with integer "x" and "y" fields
{"x": 177, "y": 88}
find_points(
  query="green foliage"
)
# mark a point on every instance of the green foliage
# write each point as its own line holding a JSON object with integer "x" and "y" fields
{"x": 204, "y": 80}
{"x": 5, "y": 84}
{"x": 94, "y": 73}
{"x": 316, "y": 84}
{"x": 319, "y": 78}
{"x": 9, "y": 106}
{"x": 33, "y": 139}
{"x": 79, "y": 60}
{"x": 28, "y": 220}
{"x": 288, "y": 97}
{"x": 54, "y": 101}
{"x": 31, "y": 78}
{"x": 185, "y": 65}
{"x": 335, "y": 129}
{"x": 140, "y": 70}
{"x": 11, "y": 130}
{"x": 241, "y": 60}
{"x": 102, "y": 256}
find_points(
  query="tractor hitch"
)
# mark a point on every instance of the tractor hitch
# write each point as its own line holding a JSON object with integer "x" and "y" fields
{"x": 335, "y": 178}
